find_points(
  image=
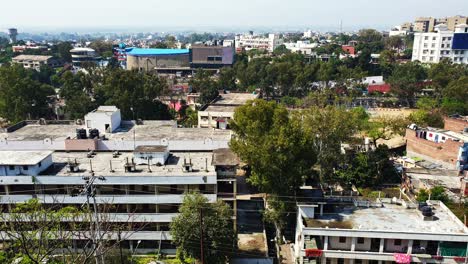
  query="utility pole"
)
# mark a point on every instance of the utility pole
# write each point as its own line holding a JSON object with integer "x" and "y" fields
{"x": 90, "y": 191}
{"x": 201, "y": 237}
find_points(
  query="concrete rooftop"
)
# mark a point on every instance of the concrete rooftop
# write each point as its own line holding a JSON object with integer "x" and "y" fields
{"x": 390, "y": 217}
{"x": 149, "y": 130}
{"x": 22, "y": 157}
{"x": 235, "y": 98}
{"x": 102, "y": 161}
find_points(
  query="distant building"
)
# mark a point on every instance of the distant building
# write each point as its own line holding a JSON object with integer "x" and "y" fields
{"x": 301, "y": 47}
{"x": 160, "y": 60}
{"x": 36, "y": 61}
{"x": 434, "y": 46}
{"x": 81, "y": 56}
{"x": 12, "y": 33}
{"x": 427, "y": 24}
{"x": 387, "y": 230}
{"x": 424, "y": 24}
{"x": 251, "y": 41}
{"x": 211, "y": 57}
{"x": 218, "y": 113}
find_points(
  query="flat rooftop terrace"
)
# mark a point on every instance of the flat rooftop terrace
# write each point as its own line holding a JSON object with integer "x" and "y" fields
{"x": 149, "y": 130}
{"x": 220, "y": 108}
{"x": 390, "y": 217}
{"x": 235, "y": 98}
{"x": 101, "y": 164}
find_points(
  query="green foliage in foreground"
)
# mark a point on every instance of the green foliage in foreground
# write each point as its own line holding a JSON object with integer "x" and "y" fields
{"x": 219, "y": 239}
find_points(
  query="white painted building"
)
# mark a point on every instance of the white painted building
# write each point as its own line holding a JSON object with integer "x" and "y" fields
{"x": 378, "y": 232}
{"x": 13, "y": 163}
{"x": 302, "y": 47}
{"x": 251, "y": 41}
{"x": 147, "y": 194}
{"x": 221, "y": 111}
{"x": 432, "y": 47}
{"x": 106, "y": 119}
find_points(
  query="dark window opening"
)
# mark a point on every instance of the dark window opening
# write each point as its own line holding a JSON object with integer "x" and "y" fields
{"x": 397, "y": 242}
{"x": 360, "y": 240}
{"x": 342, "y": 239}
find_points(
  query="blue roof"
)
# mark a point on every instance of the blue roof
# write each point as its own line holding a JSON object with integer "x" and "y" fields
{"x": 155, "y": 52}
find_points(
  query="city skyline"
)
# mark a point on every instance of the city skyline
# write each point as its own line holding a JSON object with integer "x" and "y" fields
{"x": 146, "y": 15}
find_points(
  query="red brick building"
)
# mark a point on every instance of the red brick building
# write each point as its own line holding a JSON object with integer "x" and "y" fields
{"x": 457, "y": 124}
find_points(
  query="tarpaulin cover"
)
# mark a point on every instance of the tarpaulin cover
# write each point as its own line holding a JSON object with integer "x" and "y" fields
{"x": 402, "y": 258}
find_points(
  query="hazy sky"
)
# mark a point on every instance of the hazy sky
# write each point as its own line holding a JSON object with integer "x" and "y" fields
{"x": 62, "y": 14}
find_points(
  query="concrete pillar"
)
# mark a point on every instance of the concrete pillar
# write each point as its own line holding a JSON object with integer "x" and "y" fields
{"x": 410, "y": 247}
{"x": 321, "y": 209}
{"x": 382, "y": 245}
{"x": 351, "y": 261}
{"x": 353, "y": 244}
{"x": 325, "y": 243}
{"x": 127, "y": 192}
{"x": 380, "y": 262}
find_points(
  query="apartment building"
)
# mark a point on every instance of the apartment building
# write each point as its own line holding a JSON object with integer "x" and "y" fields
{"x": 144, "y": 187}
{"x": 218, "y": 113}
{"x": 82, "y": 56}
{"x": 36, "y": 61}
{"x": 384, "y": 231}
{"x": 251, "y": 41}
{"x": 143, "y": 184}
{"x": 427, "y": 24}
{"x": 432, "y": 47}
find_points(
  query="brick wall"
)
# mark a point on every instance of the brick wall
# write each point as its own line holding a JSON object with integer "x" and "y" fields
{"x": 444, "y": 152}
{"x": 453, "y": 124}
{"x": 81, "y": 144}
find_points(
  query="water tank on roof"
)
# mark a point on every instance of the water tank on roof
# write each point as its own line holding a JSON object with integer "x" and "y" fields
{"x": 81, "y": 133}
{"x": 426, "y": 211}
{"x": 93, "y": 133}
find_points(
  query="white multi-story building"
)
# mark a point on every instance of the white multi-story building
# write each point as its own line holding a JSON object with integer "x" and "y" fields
{"x": 251, "y": 41}
{"x": 302, "y": 47}
{"x": 385, "y": 231}
{"x": 432, "y": 47}
{"x": 144, "y": 193}
{"x": 142, "y": 173}
{"x": 83, "y": 55}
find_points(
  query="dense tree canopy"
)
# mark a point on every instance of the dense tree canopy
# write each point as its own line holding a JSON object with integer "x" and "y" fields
{"x": 22, "y": 97}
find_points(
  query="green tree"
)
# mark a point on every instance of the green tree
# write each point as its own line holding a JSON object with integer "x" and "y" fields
{"x": 385, "y": 127}
{"x": 367, "y": 169}
{"x": 278, "y": 150}
{"x": 37, "y": 232}
{"x": 455, "y": 96}
{"x": 435, "y": 193}
{"x": 204, "y": 84}
{"x": 331, "y": 126}
{"x": 21, "y": 96}
{"x": 214, "y": 220}
{"x": 406, "y": 81}
{"x": 280, "y": 50}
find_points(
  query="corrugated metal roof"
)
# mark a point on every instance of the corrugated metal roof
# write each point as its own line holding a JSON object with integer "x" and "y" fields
{"x": 155, "y": 52}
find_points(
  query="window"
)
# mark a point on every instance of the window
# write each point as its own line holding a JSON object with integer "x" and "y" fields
{"x": 425, "y": 45}
{"x": 11, "y": 167}
{"x": 360, "y": 240}
{"x": 443, "y": 45}
{"x": 444, "y": 38}
{"x": 397, "y": 242}
{"x": 340, "y": 261}
{"x": 342, "y": 239}
{"x": 433, "y": 45}
{"x": 426, "y": 38}
{"x": 25, "y": 167}
{"x": 434, "y": 38}
{"x": 449, "y": 38}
